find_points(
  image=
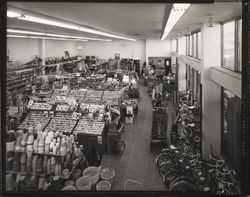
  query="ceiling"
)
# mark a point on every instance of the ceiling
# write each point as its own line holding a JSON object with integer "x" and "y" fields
{"x": 122, "y": 19}
{"x": 197, "y": 14}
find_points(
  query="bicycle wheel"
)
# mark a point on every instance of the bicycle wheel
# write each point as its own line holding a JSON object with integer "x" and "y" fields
{"x": 163, "y": 157}
{"x": 171, "y": 176}
{"x": 183, "y": 184}
{"x": 164, "y": 168}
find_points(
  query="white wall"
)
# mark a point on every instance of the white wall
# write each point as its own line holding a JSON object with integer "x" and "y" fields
{"x": 158, "y": 48}
{"x": 106, "y": 50}
{"x": 56, "y": 48}
{"x": 21, "y": 49}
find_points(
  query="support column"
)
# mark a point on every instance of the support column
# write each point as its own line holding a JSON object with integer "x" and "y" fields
{"x": 181, "y": 65}
{"x": 42, "y": 52}
{"x": 211, "y": 92}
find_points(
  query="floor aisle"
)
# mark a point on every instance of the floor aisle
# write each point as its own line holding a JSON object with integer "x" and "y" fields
{"x": 137, "y": 162}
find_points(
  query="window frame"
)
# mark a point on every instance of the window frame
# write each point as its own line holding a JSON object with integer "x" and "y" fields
{"x": 195, "y": 45}
{"x": 236, "y": 52}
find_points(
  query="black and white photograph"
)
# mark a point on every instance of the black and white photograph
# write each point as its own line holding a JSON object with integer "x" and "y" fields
{"x": 104, "y": 97}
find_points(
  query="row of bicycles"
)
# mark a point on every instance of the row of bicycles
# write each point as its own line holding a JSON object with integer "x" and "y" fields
{"x": 181, "y": 166}
{"x": 185, "y": 171}
{"x": 186, "y": 127}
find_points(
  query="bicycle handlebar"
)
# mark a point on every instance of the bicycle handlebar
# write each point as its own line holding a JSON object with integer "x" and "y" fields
{"x": 225, "y": 182}
{"x": 216, "y": 160}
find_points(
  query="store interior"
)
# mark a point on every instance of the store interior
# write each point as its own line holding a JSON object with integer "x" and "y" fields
{"x": 122, "y": 96}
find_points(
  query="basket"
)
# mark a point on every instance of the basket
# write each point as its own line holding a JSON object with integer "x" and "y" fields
{"x": 103, "y": 185}
{"x": 92, "y": 172}
{"x": 107, "y": 174}
{"x": 132, "y": 185}
{"x": 83, "y": 183}
{"x": 70, "y": 187}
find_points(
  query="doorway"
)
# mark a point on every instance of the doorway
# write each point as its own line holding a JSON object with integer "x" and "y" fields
{"x": 167, "y": 63}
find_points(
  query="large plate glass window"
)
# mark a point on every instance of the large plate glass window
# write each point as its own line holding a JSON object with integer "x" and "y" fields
{"x": 199, "y": 45}
{"x": 229, "y": 45}
{"x": 239, "y": 45}
{"x": 231, "y": 123}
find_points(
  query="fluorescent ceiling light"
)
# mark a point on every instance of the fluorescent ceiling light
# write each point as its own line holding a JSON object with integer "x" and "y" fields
{"x": 46, "y": 38}
{"x": 53, "y": 35}
{"x": 11, "y": 14}
{"x": 24, "y": 32}
{"x": 176, "y": 13}
{"x": 63, "y": 25}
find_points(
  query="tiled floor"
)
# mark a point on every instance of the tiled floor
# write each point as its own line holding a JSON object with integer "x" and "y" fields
{"x": 137, "y": 162}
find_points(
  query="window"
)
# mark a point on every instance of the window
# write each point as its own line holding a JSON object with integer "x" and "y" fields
{"x": 195, "y": 45}
{"x": 239, "y": 45}
{"x": 199, "y": 45}
{"x": 232, "y": 45}
{"x": 231, "y": 123}
{"x": 174, "y": 45}
{"x": 191, "y": 45}
{"x": 229, "y": 45}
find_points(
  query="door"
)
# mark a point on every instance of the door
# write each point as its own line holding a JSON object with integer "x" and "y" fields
{"x": 167, "y": 62}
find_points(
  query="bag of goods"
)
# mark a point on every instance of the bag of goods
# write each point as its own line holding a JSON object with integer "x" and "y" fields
{"x": 58, "y": 169}
{"x": 52, "y": 165}
{"x": 41, "y": 145}
{"x": 39, "y": 165}
{"x": 23, "y": 142}
{"x": 45, "y": 160}
{"x": 34, "y": 160}
{"x": 35, "y": 145}
{"x": 23, "y": 162}
{"x": 10, "y": 141}
{"x": 16, "y": 162}
{"x": 30, "y": 142}
{"x": 29, "y": 162}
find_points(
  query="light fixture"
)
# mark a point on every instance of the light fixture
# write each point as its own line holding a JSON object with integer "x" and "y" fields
{"x": 11, "y": 14}
{"x": 63, "y": 25}
{"x": 53, "y": 35}
{"x": 46, "y": 38}
{"x": 176, "y": 13}
{"x": 210, "y": 22}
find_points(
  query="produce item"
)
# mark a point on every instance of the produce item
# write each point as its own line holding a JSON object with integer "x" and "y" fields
{"x": 93, "y": 128}
{"x": 33, "y": 119}
{"x": 41, "y": 106}
{"x": 62, "y": 123}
